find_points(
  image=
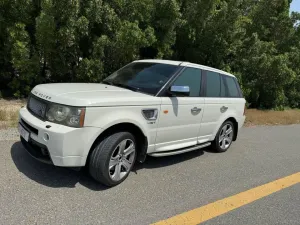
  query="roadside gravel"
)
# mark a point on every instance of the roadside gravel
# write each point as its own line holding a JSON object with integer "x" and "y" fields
{"x": 10, "y": 134}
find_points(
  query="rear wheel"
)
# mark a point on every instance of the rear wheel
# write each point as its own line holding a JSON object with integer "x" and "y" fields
{"x": 112, "y": 159}
{"x": 224, "y": 137}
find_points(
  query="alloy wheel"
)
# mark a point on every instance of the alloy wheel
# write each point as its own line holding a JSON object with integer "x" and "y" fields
{"x": 226, "y": 136}
{"x": 122, "y": 159}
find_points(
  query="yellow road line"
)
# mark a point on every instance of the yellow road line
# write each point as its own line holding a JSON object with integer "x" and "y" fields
{"x": 225, "y": 205}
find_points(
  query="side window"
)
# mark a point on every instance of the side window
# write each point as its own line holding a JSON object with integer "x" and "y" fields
{"x": 212, "y": 84}
{"x": 232, "y": 88}
{"x": 223, "y": 87}
{"x": 190, "y": 77}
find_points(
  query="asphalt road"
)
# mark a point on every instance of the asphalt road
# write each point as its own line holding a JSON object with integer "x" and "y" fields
{"x": 35, "y": 193}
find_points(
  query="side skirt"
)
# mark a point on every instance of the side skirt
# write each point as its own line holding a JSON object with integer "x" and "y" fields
{"x": 179, "y": 151}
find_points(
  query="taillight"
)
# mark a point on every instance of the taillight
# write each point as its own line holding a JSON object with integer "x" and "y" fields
{"x": 244, "y": 110}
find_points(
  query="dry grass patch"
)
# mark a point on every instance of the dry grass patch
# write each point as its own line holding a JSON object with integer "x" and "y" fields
{"x": 270, "y": 117}
{"x": 9, "y": 110}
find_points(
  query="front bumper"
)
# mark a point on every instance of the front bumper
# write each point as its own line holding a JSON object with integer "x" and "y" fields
{"x": 37, "y": 150}
{"x": 66, "y": 147}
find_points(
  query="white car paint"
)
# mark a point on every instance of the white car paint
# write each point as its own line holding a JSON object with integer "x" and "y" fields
{"x": 178, "y": 128}
{"x": 175, "y": 128}
{"x": 67, "y": 146}
{"x": 90, "y": 95}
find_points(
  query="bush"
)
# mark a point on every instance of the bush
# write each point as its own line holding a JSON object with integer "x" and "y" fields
{"x": 85, "y": 41}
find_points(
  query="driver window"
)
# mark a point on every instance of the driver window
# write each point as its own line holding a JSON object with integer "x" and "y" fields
{"x": 190, "y": 77}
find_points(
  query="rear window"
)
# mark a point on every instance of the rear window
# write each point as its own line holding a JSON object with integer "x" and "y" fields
{"x": 223, "y": 87}
{"x": 232, "y": 87}
{"x": 212, "y": 84}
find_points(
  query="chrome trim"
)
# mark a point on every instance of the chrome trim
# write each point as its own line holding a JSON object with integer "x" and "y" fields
{"x": 150, "y": 119}
{"x": 181, "y": 89}
{"x": 179, "y": 151}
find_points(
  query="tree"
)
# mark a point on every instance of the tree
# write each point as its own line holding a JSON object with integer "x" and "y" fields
{"x": 86, "y": 40}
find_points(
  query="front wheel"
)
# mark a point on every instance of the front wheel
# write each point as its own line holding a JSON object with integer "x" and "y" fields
{"x": 224, "y": 137}
{"x": 112, "y": 159}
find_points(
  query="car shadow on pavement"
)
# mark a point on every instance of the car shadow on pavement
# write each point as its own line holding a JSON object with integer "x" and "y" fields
{"x": 160, "y": 162}
{"x": 49, "y": 175}
{"x": 58, "y": 177}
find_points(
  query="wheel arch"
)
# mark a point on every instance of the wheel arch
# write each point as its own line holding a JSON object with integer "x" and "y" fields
{"x": 140, "y": 136}
{"x": 236, "y": 126}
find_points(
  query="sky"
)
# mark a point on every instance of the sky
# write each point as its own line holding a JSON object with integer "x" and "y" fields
{"x": 295, "y": 6}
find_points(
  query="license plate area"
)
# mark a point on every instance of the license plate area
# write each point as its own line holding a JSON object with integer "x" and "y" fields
{"x": 23, "y": 132}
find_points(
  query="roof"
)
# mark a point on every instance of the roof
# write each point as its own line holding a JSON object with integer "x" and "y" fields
{"x": 170, "y": 62}
{"x": 187, "y": 64}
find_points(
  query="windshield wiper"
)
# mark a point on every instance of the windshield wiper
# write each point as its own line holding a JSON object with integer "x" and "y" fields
{"x": 126, "y": 86}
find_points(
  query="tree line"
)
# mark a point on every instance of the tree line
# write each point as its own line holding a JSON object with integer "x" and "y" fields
{"x": 44, "y": 41}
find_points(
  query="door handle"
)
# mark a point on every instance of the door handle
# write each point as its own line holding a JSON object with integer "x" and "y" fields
{"x": 195, "y": 110}
{"x": 223, "y": 109}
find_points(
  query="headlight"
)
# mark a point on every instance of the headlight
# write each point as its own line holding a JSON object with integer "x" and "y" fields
{"x": 66, "y": 115}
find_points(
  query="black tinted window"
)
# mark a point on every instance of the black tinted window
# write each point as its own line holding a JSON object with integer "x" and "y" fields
{"x": 223, "y": 87}
{"x": 212, "y": 84}
{"x": 144, "y": 77}
{"x": 232, "y": 88}
{"x": 190, "y": 77}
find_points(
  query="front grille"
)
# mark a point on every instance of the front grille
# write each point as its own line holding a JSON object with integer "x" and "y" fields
{"x": 37, "y": 107}
{"x": 31, "y": 128}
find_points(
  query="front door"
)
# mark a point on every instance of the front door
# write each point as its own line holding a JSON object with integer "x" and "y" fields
{"x": 180, "y": 117}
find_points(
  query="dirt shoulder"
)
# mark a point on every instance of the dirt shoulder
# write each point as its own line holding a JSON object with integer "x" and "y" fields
{"x": 256, "y": 117}
{"x": 9, "y": 112}
{"x": 9, "y": 115}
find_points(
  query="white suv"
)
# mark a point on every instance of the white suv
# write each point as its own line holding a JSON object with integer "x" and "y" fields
{"x": 148, "y": 107}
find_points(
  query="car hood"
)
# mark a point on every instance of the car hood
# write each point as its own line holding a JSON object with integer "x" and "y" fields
{"x": 90, "y": 94}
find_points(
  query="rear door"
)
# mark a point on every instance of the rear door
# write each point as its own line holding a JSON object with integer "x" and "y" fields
{"x": 215, "y": 92}
{"x": 222, "y": 98}
{"x": 236, "y": 98}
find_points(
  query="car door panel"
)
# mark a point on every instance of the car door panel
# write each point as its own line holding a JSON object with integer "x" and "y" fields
{"x": 215, "y": 108}
{"x": 213, "y": 115}
{"x": 180, "y": 116}
{"x": 219, "y": 108}
{"x": 178, "y": 125}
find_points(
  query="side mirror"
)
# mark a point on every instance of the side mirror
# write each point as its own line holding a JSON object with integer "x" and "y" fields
{"x": 180, "y": 90}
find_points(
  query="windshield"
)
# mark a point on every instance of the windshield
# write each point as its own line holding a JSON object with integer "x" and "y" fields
{"x": 143, "y": 77}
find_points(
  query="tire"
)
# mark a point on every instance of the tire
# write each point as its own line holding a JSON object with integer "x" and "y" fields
{"x": 223, "y": 141}
{"x": 110, "y": 156}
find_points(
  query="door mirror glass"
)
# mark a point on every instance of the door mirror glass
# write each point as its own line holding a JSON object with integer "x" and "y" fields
{"x": 180, "y": 90}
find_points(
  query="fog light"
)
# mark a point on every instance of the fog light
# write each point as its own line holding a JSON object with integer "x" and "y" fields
{"x": 46, "y": 137}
